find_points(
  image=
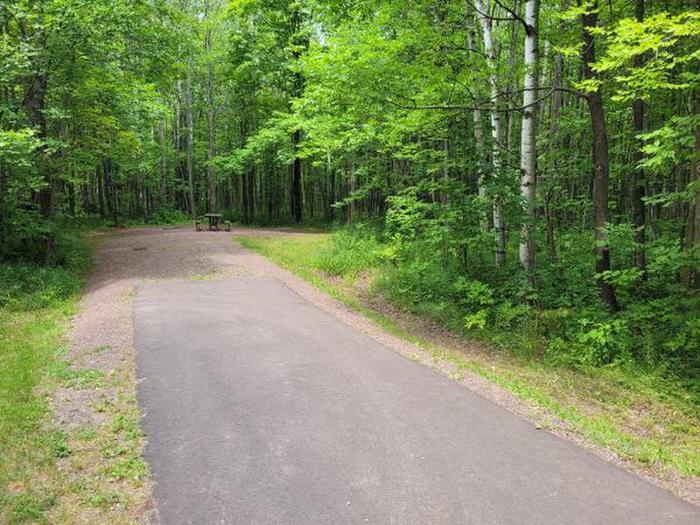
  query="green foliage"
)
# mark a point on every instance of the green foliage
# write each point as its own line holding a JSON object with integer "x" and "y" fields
{"x": 26, "y": 507}
{"x": 466, "y": 291}
{"x": 669, "y": 45}
{"x": 35, "y": 303}
{"x": 669, "y": 145}
{"x": 80, "y": 89}
{"x": 29, "y": 286}
{"x": 169, "y": 215}
{"x": 351, "y": 252}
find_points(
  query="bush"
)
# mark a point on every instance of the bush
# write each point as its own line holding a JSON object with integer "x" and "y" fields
{"x": 25, "y": 286}
{"x": 169, "y": 215}
{"x": 435, "y": 261}
{"x": 350, "y": 252}
{"x": 417, "y": 282}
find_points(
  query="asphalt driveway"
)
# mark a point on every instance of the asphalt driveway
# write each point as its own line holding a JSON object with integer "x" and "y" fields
{"x": 262, "y": 408}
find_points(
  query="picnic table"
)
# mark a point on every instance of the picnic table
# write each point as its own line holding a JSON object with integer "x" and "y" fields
{"x": 214, "y": 220}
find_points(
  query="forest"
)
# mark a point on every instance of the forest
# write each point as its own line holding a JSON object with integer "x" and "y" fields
{"x": 522, "y": 161}
{"x": 526, "y": 171}
{"x": 521, "y": 173}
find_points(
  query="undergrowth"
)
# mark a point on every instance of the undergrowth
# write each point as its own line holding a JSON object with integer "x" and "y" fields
{"x": 35, "y": 303}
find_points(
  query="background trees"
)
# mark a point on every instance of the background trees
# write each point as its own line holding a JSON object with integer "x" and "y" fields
{"x": 545, "y": 150}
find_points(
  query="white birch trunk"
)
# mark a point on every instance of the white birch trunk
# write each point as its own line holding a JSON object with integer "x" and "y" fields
{"x": 528, "y": 144}
{"x": 483, "y": 7}
{"x": 478, "y": 130}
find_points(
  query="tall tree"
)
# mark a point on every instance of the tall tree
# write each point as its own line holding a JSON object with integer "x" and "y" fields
{"x": 600, "y": 155}
{"x": 484, "y": 10}
{"x": 211, "y": 110}
{"x": 298, "y": 43}
{"x": 638, "y": 184}
{"x": 528, "y": 145}
{"x": 37, "y": 85}
{"x": 477, "y": 122}
{"x": 189, "y": 128}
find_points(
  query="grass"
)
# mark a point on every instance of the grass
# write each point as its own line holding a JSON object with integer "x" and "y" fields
{"x": 88, "y": 474}
{"x": 35, "y": 304}
{"x": 29, "y": 445}
{"x": 643, "y": 419}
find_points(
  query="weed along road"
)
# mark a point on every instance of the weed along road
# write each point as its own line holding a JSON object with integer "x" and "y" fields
{"x": 261, "y": 407}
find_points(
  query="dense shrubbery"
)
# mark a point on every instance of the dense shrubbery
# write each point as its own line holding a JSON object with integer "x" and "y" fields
{"x": 169, "y": 215}
{"x": 432, "y": 261}
{"x": 350, "y": 252}
{"x": 28, "y": 285}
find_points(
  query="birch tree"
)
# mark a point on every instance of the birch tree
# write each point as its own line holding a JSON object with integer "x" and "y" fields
{"x": 528, "y": 145}
{"x": 484, "y": 10}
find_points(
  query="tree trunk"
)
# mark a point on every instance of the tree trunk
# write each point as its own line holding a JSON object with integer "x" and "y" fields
{"x": 511, "y": 79}
{"x": 498, "y": 221}
{"x": 110, "y": 191}
{"x": 555, "y": 114}
{"x": 478, "y": 130}
{"x": 71, "y": 198}
{"x": 100, "y": 189}
{"x": 691, "y": 276}
{"x": 601, "y": 161}
{"x": 163, "y": 162}
{"x": 35, "y": 105}
{"x": 211, "y": 114}
{"x": 250, "y": 195}
{"x": 190, "y": 136}
{"x": 296, "y": 195}
{"x": 353, "y": 186}
{"x": 445, "y": 194}
{"x": 638, "y": 188}
{"x": 528, "y": 144}
{"x": 295, "y": 191}
{"x": 331, "y": 189}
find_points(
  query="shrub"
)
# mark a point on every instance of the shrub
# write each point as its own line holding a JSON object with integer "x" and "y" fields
{"x": 169, "y": 215}
{"x": 350, "y": 252}
{"x": 29, "y": 286}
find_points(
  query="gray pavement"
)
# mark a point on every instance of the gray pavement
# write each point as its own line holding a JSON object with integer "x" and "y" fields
{"x": 262, "y": 408}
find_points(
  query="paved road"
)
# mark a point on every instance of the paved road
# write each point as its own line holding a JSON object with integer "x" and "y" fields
{"x": 261, "y": 408}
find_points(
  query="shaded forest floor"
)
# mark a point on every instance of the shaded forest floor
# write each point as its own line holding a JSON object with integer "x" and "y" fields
{"x": 623, "y": 417}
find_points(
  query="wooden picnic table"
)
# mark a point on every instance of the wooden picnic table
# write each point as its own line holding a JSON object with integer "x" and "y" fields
{"x": 214, "y": 220}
